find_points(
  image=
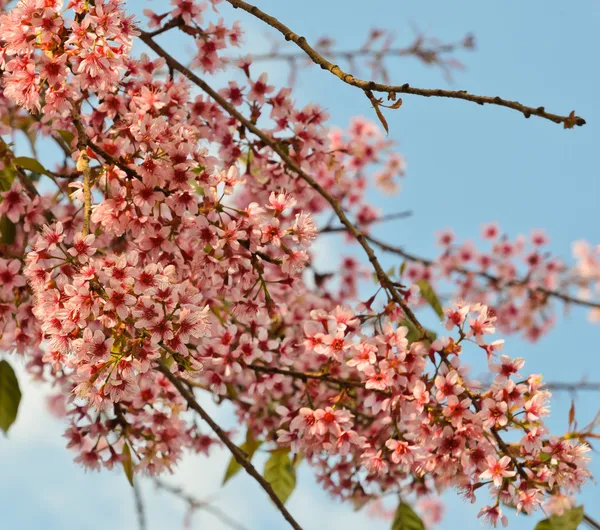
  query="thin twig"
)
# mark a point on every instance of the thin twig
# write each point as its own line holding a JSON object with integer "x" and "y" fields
{"x": 482, "y": 274}
{"x": 382, "y": 219}
{"x": 83, "y": 165}
{"x": 559, "y": 386}
{"x": 237, "y": 453}
{"x": 195, "y": 504}
{"x": 139, "y": 507}
{"x": 83, "y": 141}
{"x": 318, "y": 59}
{"x": 306, "y": 376}
{"x": 591, "y": 522}
{"x": 413, "y": 49}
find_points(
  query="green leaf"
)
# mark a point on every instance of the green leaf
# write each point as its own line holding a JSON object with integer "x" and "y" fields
{"x": 402, "y": 268}
{"x": 281, "y": 474}
{"x": 249, "y": 447}
{"x": 6, "y": 179}
{"x": 67, "y": 136}
{"x": 127, "y": 462}
{"x": 8, "y": 231}
{"x": 10, "y": 396}
{"x": 31, "y": 164}
{"x": 358, "y": 503}
{"x": 413, "y": 333}
{"x": 297, "y": 459}
{"x": 569, "y": 520}
{"x": 429, "y": 294}
{"x": 406, "y": 519}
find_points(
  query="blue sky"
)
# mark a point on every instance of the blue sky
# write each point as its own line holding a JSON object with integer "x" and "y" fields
{"x": 466, "y": 165}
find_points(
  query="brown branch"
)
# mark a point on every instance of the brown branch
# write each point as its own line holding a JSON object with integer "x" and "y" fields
{"x": 591, "y": 522}
{"x": 139, "y": 507}
{"x": 173, "y": 23}
{"x": 384, "y": 218}
{"x": 237, "y": 453}
{"x": 568, "y": 121}
{"x": 414, "y": 49}
{"x": 195, "y": 504}
{"x": 383, "y": 278}
{"x": 482, "y": 274}
{"x": 559, "y": 386}
{"x": 83, "y": 141}
{"x": 83, "y": 165}
{"x": 306, "y": 376}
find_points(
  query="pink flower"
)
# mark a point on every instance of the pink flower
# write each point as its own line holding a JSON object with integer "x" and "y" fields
{"x": 50, "y": 237}
{"x": 448, "y": 385}
{"x": 333, "y": 344}
{"x": 381, "y": 380}
{"x": 458, "y": 410}
{"x": 374, "y": 463}
{"x": 9, "y": 275}
{"x": 305, "y": 422}
{"x": 259, "y": 89}
{"x": 536, "y": 408}
{"x": 529, "y": 500}
{"x": 13, "y": 202}
{"x": 365, "y": 354}
{"x": 493, "y": 413}
{"x": 96, "y": 346}
{"x": 82, "y": 248}
{"x": 119, "y": 301}
{"x": 490, "y": 231}
{"x": 401, "y": 452}
{"x": 492, "y": 514}
{"x": 498, "y": 470}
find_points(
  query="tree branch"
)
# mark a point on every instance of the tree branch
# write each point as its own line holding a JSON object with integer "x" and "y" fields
{"x": 558, "y": 386}
{"x": 195, "y": 504}
{"x": 383, "y": 278}
{"x": 306, "y": 376}
{"x": 591, "y": 522}
{"x": 237, "y": 453}
{"x": 414, "y": 49}
{"x": 384, "y": 218}
{"x": 482, "y": 274}
{"x": 568, "y": 121}
{"x": 139, "y": 507}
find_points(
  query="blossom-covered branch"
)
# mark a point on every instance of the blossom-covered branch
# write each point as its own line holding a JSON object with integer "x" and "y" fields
{"x": 193, "y": 267}
{"x": 293, "y": 166}
{"x": 237, "y": 453}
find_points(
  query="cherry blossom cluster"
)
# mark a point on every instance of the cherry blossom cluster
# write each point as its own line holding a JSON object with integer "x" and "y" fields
{"x": 177, "y": 241}
{"x": 517, "y": 277}
{"x": 389, "y": 413}
{"x": 43, "y": 49}
{"x": 166, "y": 246}
{"x": 587, "y": 273}
{"x": 107, "y": 317}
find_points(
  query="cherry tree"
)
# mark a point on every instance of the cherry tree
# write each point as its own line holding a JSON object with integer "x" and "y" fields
{"x": 171, "y": 253}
